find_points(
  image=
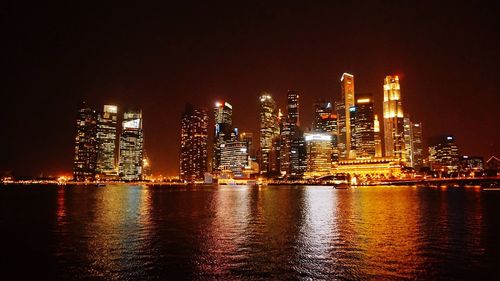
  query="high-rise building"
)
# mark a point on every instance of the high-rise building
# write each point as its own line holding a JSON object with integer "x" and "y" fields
{"x": 223, "y": 113}
{"x": 343, "y": 109}
{"x": 322, "y": 110}
{"x": 247, "y": 138}
{"x": 407, "y": 155}
{"x": 106, "y": 142}
{"x": 194, "y": 144}
{"x": 131, "y": 146}
{"x": 417, "y": 148}
{"x": 363, "y": 130}
{"x": 443, "y": 154}
{"x": 85, "y": 160}
{"x": 378, "y": 140}
{"x": 293, "y": 108}
{"x": 269, "y": 130}
{"x": 319, "y": 151}
{"x": 393, "y": 119}
{"x": 292, "y": 144}
{"x": 298, "y": 154}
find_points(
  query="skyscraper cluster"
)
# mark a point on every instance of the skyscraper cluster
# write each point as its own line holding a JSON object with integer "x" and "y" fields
{"x": 96, "y": 154}
{"x": 342, "y": 131}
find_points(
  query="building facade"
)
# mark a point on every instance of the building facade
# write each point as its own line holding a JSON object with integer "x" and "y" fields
{"x": 106, "y": 141}
{"x": 85, "y": 157}
{"x": 269, "y": 130}
{"x": 131, "y": 146}
{"x": 443, "y": 154}
{"x": 343, "y": 109}
{"x": 319, "y": 154}
{"x": 223, "y": 119}
{"x": 363, "y": 130}
{"x": 393, "y": 119}
{"x": 194, "y": 144}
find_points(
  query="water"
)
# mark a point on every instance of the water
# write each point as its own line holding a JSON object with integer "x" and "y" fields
{"x": 226, "y": 233}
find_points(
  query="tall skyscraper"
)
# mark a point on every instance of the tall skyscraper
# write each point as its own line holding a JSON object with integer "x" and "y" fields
{"x": 223, "y": 113}
{"x": 407, "y": 152}
{"x": 291, "y": 143}
{"x": 194, "y": 144}
{"x": 293, "y": 108}
{"x": 378, "y": 140}
{"x": 85, "y": 160}
{"x": 417, "y": 151}
{"x": 363, "y": 130}
{"x": 269, "y": 130}
{"x": 393, "y": 119}
{"x": 344, "y": 115}
{"x": 131, "y": 146}
{"x": 106, "y": 142}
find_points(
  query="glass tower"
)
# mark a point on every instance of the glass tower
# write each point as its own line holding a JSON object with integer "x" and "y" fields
{"x": 131, "y": 146}
{"x": 106, "y": 140}
{"x": 85, "y": 158}
{"x": 194, "y": 144}
{"x": 393, "y": 119}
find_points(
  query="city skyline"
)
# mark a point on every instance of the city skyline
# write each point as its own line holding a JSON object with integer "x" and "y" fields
{"x": 440, "y": 71}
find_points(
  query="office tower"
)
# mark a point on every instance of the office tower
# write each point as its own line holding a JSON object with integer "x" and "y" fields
{"x": 274, "y": 156}
{"x": 234, "y": 157}
{"x": 322, "y": 110}
{"x": 223, "y": 113}
{"x": 247, "y": 138}
{"x": 417, "y": 151}
{"x": 269, "y": 130}
{"x": 286, "y": 138}
{"x": 378, "y": 140}
{"x": 293, "y": 108}
{"x": 84, "y": 164}
{"x": 106, "y": 142}
{"x": 393, "y": 119}
{"x": 194, "y": 144}
{"x": 363, "y": 130}
{"x": 407, "y": 155}
{"x": 298, "y": 154}
{"x": 343, "y": 109}
{"x": 131, "y": 146}
{"x": 443, "y": 154}
{"x": 319, "y": 151}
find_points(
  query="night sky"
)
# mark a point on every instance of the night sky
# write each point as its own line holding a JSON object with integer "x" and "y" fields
{"x": 158, "y": 58}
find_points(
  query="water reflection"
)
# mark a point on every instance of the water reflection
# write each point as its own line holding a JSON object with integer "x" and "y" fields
{"x": 286, "y": 232}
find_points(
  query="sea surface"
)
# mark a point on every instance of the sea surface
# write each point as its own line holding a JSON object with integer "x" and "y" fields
{"x": 127, "y": 232}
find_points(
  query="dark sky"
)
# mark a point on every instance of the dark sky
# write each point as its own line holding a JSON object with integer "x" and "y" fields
{"x": 160, "y": 57}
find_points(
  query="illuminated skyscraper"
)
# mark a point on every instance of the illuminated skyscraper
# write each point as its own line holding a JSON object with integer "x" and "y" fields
{"x": 292, "y": 144}
{"x": 363, "y": 130}
{"x": 443, "y": 154}
{"x": 194, "y": 144}
{"x": 131, "y": 146}
{"x": 319, "y": 154}
{"x": 106, "y": 142}
{"x": 84, "y": 164}
{"x": 269, "y": 130}
{"x": 378, "y": 140}
{"x": 293, "y": 108}
{"x": 326, "y": 122}
{"x": 417, "y": 151}
{"x": 223, "y": 113}
{"x": 407, "y": 155}
{"x": 322, "y": 109}
{"x": 344, "y": 116}
{"x": 393, "y": 119}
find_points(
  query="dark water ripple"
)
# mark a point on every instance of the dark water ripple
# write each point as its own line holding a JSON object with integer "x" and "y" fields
{"x": 234, "y": 233}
